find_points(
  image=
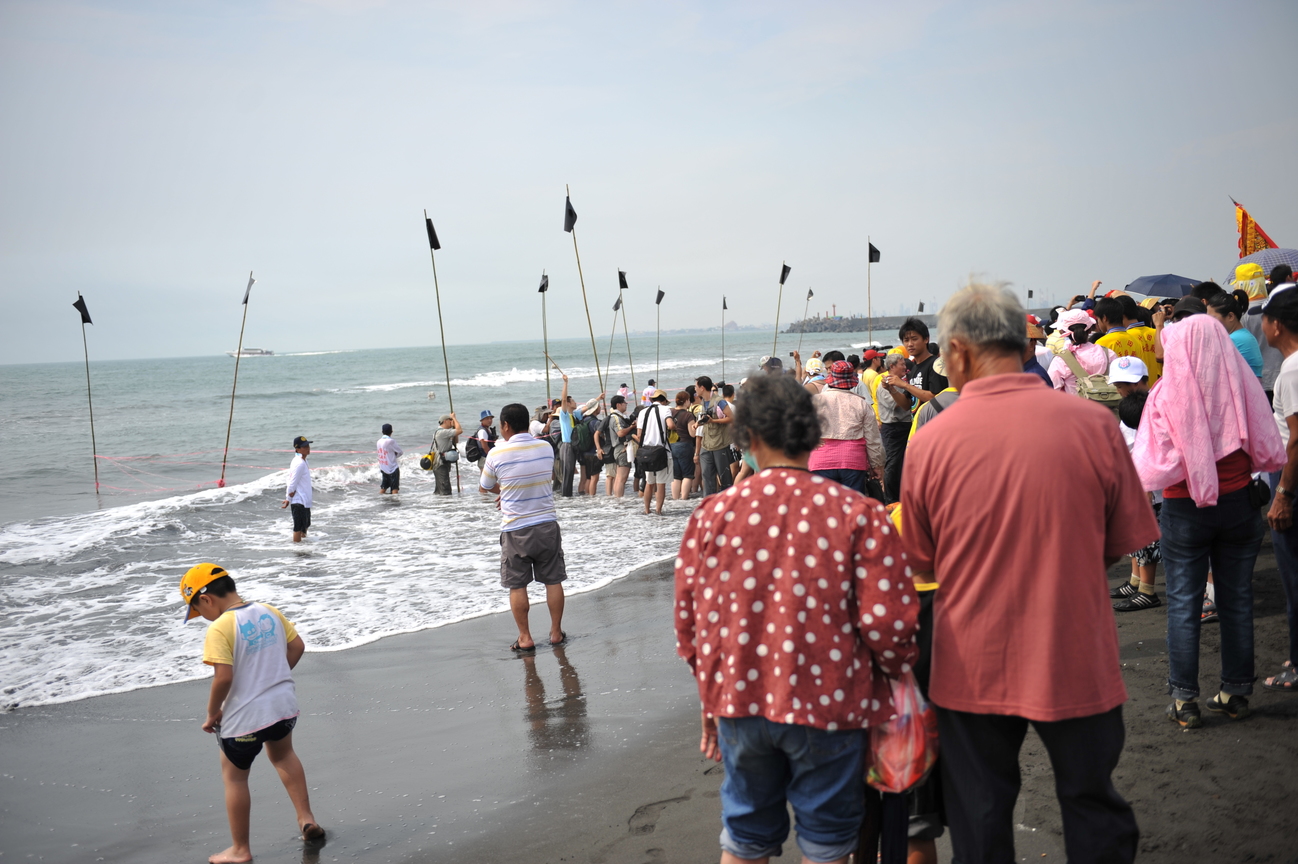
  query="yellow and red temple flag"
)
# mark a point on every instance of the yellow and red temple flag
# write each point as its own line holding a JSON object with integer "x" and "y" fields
{"x": 1251, "y": 236}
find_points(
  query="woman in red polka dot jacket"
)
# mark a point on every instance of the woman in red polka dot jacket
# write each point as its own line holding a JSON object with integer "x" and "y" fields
{"x": 793, "y": 605}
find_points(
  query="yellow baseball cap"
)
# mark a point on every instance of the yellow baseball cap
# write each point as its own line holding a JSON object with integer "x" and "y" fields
{"x": 195, "y": 582}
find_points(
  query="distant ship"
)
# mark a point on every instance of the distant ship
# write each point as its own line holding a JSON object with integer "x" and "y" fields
{"x": 251, "y": 352}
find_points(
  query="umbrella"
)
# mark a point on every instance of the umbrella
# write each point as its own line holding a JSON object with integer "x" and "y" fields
{"x": 1266, "y": 259}
{"x": 1166, "y": 285}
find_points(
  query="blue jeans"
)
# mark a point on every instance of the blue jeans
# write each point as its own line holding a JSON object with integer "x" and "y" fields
{"x": 1286, "y": 559}
{"x": 852, "y": 478}
{"x": 682, "y": 460}
{"x": 1227, "y": 538}
{"x": 818, "y": 772}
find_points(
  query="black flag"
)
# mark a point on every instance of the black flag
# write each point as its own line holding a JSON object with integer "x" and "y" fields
{"x": 618, "y": 304}
{"x": 661, "y": 295}
{"x": 569, "y": 215}
{"x": 921, "y": 307}
{"x": 874, "y": 254}
{"x": 621, "y": 281}
{"x": 1029, "y": 294}
{"x": 723, "y": 303}
{"x": 432, "y": 235}
{"x": 248, "y": 291}
{"x": 80, "y": 306}
{"x": 810, "y": 293}
{"x": 785, "y": 270}
{"x": 545, "y": 284}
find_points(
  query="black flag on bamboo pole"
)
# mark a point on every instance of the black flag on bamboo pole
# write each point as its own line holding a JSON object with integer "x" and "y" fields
{"x": 618, "y": 303}
{"x": 785, "y": 270}
{"x": 661, "y": 295}
{"x": 433, "y": 242}
{"x": 247, "y": 292}
{"x": 874, "y": 254}
{"x": 545, "y": 284}
{"x": 80, "y": 306}
{"x": 569, "y": 215}
{"x": 621, "y": 281}
{"x": 234, "y": 385}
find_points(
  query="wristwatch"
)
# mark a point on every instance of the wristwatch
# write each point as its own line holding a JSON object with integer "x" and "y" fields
{"x": 1288, "y": 493}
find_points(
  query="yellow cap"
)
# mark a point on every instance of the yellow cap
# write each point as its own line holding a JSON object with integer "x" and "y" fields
{"x": 194, "y": 582}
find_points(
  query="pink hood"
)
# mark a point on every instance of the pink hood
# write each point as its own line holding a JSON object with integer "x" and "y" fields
{"x": 1207, "y": 405}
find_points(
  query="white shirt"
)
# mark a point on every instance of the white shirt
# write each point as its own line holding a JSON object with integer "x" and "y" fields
{"x": 536, "y": 428}
{"x": 299, "y": 481}
{"x": 389, "y": 450}
{"x": 262, "y": 692}
{"x": 647, "y": 395}
{"x": 650, "y": 434}
{"x": 1286, "y": 394}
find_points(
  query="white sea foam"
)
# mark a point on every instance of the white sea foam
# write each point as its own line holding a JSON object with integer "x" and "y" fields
{"x": 92, "y": 600}
{"x": 504, "y": 378}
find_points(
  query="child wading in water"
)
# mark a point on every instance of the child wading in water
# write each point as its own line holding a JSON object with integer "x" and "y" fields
{"x": 252, "y": 648}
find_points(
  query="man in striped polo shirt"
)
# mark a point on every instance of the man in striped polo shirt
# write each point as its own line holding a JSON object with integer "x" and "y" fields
{"x": 519, "y": 469}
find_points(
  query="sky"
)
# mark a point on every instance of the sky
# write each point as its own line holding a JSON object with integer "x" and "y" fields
{"x": 153, "y": 153}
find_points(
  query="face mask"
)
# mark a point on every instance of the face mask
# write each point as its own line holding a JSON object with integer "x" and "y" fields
{"x": 750, "y": 460}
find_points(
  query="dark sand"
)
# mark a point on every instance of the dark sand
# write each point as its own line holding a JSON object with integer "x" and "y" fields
{"x": 443, "y": 745}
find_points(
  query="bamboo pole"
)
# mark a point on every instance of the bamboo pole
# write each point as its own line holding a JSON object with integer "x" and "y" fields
{"x": 778, "y": 300}
{"x": 545, "y": 336}
{"x": 599, "y": 376}
{"x": 441, "y": 329}
{"x": 803, "y": 329}
{"x": 94, "y": 450}
{"x": 869, "y": 298}
{"x": 627, "y": 333}
{"x": 723, "y": 338}
{"x": 238, "y": 354}
{"x": 658, "y": 339}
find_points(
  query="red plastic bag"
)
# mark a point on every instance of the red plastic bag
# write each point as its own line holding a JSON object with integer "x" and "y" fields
{"x": 903, "y": 750}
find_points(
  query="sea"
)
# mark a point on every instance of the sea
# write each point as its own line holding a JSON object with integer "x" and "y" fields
{"x": 90, "y": 579}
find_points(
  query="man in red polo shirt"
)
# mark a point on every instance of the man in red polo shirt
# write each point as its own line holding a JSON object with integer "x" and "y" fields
{"x": 1023, "y": 631}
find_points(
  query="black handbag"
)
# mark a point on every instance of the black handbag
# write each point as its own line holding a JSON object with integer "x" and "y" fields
{"x": 654, "y": 457}
{"x": 1259, "y": 493}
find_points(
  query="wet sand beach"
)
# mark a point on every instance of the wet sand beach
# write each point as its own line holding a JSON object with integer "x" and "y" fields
{"x": 443, "y": 745}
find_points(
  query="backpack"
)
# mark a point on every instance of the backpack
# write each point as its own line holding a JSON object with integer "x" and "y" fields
{"x": 473, "y": 447}
{"x": 1093, "y": 388}
{"x": 582, "y": 439}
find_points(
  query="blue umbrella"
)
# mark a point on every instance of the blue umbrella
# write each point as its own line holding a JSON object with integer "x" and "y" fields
{"x": 1267, "y": 258}
{"x": 1166, "y": 285}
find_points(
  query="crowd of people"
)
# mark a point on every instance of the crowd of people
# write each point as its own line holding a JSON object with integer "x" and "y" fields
{"x": 863, "y": 523}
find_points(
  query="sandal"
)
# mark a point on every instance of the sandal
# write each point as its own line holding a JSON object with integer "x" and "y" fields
{"x": 1286, "y": 681}
{"x": 530, "y": 649}
{"x": 312, "y": 833}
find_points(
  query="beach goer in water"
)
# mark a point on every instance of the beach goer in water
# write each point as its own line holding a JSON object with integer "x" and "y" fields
{"x": 569, "y": 414}
{"x": 625, "y": 392}
{"x": 531, "y": 545}
{"x": 252, "y": 649}
{"x": 589, "y": 460}
{"x": 714, "y": 436}
{"x": 445, "y": 440}
{"x": 389, "y": 452}
{"x": 1280, "y": 324}
{"x": 486, "y": 435}
{"x": 1205, "y": 430}
{"x": 1050, "y": 659}
{"x": 684, "y": 456}
{"x": 647, "y": 395}
{"x": 617, "y": 428}
{"x": 298, "y": 493}
{"x": 850, "y": 448}
{"x": 792, "y": 596}
{"x": 652, "y": 428}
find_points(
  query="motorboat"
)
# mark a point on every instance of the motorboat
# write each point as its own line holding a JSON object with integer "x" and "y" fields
{"x": 252, "y": 352}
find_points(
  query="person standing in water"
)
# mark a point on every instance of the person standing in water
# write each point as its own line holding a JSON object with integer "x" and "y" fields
{"x": 298, "y": 493}
{"x": 389, "y": 452}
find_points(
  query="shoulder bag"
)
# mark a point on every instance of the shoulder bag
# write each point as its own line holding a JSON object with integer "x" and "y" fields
{"x": 653, "y": 457}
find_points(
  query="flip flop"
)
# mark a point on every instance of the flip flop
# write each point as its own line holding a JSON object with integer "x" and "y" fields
{"x": 1286, "y": 681}
{"x": 312, "y": 833}
{"x": 563, "y": 640}
{"x": 530, "y": 649}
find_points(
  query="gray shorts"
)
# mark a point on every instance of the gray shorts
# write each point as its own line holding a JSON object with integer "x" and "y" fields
{"x": 535, "y": 552}
{"x": 619, "y": 461}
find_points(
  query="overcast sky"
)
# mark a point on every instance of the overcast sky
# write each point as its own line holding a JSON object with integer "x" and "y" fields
{"x": 152, "y": 153}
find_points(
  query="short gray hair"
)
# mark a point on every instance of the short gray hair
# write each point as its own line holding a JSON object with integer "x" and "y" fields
{"x": 891, "y": 360}
{"x": 984, "y": 316}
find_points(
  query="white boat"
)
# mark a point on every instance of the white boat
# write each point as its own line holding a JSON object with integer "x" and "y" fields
{"x": 251, "y": 352}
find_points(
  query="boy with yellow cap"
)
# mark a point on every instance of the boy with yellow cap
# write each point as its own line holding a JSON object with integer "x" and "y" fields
{"x": 252, "y": 649}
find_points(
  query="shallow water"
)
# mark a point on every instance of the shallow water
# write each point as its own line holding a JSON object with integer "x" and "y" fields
{"x": 90, "y": 582}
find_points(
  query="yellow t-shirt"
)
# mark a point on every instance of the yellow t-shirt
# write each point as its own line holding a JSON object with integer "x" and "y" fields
{"x": 1135, "y": 342}
{"x": 218, "y": 647}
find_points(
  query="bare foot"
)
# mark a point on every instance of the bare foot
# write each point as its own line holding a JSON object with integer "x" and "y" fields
{"x": 233, "y": 855}
{"x": 311, "y": 832}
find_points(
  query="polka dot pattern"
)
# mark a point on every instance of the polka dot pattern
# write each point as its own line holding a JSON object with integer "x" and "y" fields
{"x": 819, "y": 604}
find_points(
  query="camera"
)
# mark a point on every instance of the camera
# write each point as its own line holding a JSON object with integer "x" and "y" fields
{"x": 706, "y": 418}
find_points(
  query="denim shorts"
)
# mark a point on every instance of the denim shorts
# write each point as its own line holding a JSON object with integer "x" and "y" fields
{"x": 769, "y": 764}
